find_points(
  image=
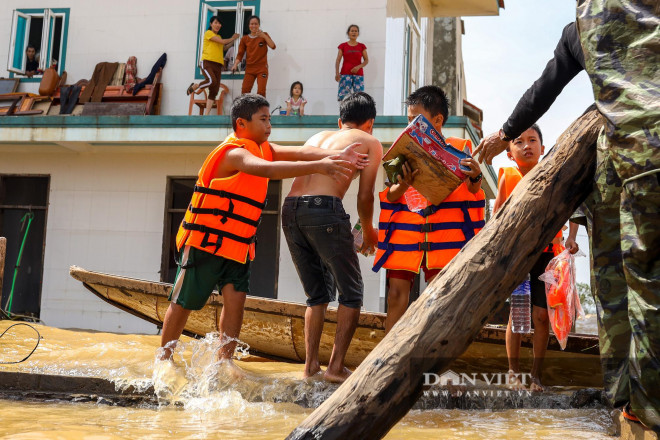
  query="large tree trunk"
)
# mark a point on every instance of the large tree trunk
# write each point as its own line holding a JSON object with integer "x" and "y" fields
{"x": 440, "y": 325}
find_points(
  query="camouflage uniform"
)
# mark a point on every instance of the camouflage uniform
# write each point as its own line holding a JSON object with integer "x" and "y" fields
{"x": 621, "y": 42}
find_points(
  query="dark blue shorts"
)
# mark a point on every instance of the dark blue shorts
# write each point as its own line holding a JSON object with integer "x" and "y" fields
{"x": 318, "y": 232}
{"x": 537, "y": 287}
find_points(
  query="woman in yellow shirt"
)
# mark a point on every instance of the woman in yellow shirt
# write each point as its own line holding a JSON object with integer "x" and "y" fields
{"x": 212, "y": 62}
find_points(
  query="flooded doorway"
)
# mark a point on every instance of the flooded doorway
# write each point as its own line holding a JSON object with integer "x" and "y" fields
{"x": 265, "y": 267}
{"x": 23, "y": 212}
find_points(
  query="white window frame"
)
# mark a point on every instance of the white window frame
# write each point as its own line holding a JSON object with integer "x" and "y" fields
{"x": 208, "y": 11}
{"x": 47, "y": 39}
{"x": 13, "y": 42}
{"x": 412, "y": 43}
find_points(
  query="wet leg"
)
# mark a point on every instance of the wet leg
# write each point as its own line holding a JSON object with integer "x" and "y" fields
{"x": 173, "y": 324}
{"x": 540, "y": 344}
{"x": 398, "y": 295}
{"x": 513, "y": 354}
{"x": 231, "y": 319}
{"x": 314, "y": 319}
{"x": 347, "y": 319}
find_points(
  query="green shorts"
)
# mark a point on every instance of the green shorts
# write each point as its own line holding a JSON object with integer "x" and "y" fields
{"x": 203, "y": 273}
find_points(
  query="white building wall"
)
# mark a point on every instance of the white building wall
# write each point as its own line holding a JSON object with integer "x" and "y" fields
{"x": 105, "y": 213}
{"x": 306, "y": 33}
{"x": 394, "y": 69}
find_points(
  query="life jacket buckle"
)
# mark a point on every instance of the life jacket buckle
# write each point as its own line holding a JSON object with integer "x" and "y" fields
{"x": 426, "y": 227}
{"x": 425, "y": 246}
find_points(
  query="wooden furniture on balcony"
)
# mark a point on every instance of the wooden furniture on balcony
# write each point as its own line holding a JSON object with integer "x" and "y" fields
{"x": 201, "y": 102}
{"x": 148, "y": 98}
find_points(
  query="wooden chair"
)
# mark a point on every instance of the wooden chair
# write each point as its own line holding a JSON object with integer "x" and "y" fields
{"x": 201, "y": 103}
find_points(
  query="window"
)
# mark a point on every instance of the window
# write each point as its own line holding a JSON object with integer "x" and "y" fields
{"x": 264, "y": 269}
{"x": 46, "y": 31}
{"x": 23, "y": 213}
{"x": 234, "y": 16}
{"x": 411, "y": 57}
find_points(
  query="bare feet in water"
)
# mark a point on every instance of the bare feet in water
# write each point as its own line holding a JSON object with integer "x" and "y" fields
{"x": 536, "y": 385}
{"x": 311, "y": 370}
{"x": 513, "y": 381}
{"x": 231, "y": 370}
{"x": 337, "y": 377}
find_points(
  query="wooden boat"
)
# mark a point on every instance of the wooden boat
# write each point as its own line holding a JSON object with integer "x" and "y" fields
{"x": 275, "y": 329}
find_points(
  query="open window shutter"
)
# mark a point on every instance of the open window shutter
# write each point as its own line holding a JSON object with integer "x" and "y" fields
{"x": 44, "y": 56}
{"x": 49, "y": 33}
{"x": 20, "y": 28}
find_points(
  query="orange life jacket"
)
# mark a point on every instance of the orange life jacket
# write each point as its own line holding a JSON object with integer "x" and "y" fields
{"x": 439, "y": 230}
{"x": 224, "y": 213}
{"x": 512, "y": 176}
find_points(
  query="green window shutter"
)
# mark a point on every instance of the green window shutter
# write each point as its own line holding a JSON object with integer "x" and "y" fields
{"x": 18, "y": 42}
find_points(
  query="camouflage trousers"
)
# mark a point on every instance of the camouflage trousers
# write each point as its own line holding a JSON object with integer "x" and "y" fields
{"x": 621, "y": 40}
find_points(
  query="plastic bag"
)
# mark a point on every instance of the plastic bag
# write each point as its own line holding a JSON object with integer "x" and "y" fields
{"x": 415, "y": 201}
{"x": 561, "y": 294}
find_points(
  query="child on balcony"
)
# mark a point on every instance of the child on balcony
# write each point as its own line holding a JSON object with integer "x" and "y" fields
{"x": 295, "y": 105}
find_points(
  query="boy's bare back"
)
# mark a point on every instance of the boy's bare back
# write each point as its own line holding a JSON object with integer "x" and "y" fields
{"x": 318, "y": 184}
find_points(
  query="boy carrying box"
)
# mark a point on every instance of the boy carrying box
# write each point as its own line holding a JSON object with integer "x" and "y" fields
{"x": 526, "y": 150}
{"x": 217, "y": 235}
{"x": 429, "y": 239}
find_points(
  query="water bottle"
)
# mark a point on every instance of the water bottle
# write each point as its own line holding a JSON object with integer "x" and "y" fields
{"x": 357, "y": 236}
{"x": 415, "y": 201}
{"x": 521, "y": 321}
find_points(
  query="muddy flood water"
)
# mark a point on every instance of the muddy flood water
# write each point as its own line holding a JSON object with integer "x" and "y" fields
{"x": 200, "y": 401}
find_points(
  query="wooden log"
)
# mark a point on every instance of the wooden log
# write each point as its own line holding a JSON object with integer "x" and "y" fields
{"x": 440, "y": 325}
{"x": 3, "y": 253}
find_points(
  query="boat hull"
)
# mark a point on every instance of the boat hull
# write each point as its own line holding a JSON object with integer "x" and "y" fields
{"x": 275, "y": 329}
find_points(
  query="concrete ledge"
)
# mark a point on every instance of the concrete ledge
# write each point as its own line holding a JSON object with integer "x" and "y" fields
{"x": 308, "y": 394}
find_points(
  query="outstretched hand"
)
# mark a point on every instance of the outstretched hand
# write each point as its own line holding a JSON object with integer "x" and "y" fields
{"x": 489, "y": 147}
{"x": 339, "y": 169}
{"x": 359, "y": 160}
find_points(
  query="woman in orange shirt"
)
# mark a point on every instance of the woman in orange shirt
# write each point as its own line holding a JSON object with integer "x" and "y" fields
{"x": 255, "y": 47}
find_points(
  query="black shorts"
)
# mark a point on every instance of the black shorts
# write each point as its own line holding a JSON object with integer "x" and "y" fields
{"x": 318, "y": 232}
{"x": 537, "y": 286}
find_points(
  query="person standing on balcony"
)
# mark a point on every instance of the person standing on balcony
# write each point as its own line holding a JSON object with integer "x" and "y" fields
{"x": 255, "y": 45}
{"x": 351, "y": 76}
{"x": 212, "y": 62}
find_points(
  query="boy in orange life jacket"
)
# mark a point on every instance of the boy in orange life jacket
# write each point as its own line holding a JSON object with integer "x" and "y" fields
{"x": 526, "y": 151}
{"x": 432, "y": 237}
{"x": 217, "y": 234}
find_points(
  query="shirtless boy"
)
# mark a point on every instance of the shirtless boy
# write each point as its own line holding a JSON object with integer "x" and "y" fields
{"x": 318, "y": 232}
{"x": 217, "y": 237}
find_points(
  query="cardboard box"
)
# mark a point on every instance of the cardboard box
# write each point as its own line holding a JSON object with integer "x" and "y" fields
{"x": 437, "y": 161}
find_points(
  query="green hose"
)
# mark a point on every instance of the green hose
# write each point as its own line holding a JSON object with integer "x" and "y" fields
{"x": 29, "y": 217}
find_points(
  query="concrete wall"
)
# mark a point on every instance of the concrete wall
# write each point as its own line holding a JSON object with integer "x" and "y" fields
{"x": 105, "y": 213}
{"x": 306, "y": 33}
{"x": 447, "y": 64}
